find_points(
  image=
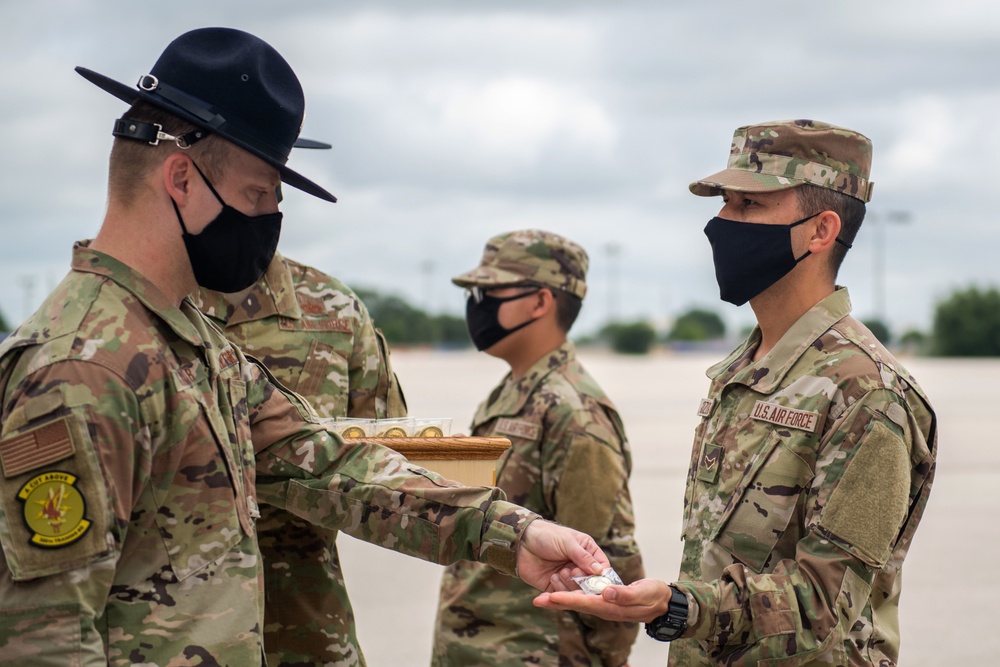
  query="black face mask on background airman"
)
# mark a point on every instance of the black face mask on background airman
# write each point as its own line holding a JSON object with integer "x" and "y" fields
{"x": 234, "y": 250}
{"x": 482, "y": 319}
{"x": 750, "y": 257}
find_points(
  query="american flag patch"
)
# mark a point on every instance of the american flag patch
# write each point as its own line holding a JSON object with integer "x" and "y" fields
{"x": 37, "y": 447}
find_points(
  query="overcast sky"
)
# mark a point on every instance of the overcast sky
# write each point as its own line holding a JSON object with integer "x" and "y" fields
{"x": 453, "y": 121}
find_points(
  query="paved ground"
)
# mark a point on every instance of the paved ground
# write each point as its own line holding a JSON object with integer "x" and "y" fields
{"x": 949, "y": 581}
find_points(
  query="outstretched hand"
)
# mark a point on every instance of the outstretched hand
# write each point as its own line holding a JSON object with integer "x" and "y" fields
{"x": 546, "y": 548}
{"x": 641, "y": 601}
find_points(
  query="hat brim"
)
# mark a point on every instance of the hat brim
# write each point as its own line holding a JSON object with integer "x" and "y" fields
{"x": 482, "y": 276}
{"x": 131, "y": 94}
{"x": 740, "y": 180}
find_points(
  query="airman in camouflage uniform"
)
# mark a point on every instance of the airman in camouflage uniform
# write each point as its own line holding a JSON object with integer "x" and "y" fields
{"x": 569, "y": 461}
{"x": 136, "y": 442}
{"x": 316, "y": 337}
{"x": 814, "y": 459}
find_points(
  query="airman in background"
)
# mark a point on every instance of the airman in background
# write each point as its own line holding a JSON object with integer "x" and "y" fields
{"x": 569, "y": 459}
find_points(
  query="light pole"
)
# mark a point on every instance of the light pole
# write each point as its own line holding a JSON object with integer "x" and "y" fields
{"x": 880, "y": 221}
{"x": 427, "y": 268}
{"x": 613, "y": 251}
{"x": 27, "y": 283}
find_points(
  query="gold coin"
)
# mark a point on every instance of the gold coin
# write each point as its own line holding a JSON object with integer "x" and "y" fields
{"x": 353, "y": 432}
{"x": 598, "y": 583}
{"x": 393, "y": 432}
{"x": 432, "y": 432}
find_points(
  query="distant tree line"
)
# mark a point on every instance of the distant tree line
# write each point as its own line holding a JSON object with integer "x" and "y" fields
{"x": 404, "y": 324}
{"x": 965, "y": 324}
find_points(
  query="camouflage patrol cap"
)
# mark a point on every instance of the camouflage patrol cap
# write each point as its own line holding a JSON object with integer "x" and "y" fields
{"x": 783, "y": 154}
{"x": 530, "y": 255}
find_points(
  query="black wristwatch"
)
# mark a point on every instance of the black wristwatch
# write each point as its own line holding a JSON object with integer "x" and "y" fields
{"x": 671, "y": 625}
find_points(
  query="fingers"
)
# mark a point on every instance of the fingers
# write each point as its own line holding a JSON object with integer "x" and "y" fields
{"x": 557, "y": 583}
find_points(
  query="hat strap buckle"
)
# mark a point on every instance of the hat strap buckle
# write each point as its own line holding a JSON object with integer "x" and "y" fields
{"x": 153, "y": 134}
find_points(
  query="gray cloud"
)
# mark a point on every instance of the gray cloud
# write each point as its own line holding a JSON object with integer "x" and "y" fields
{"x": 452, "y": 121}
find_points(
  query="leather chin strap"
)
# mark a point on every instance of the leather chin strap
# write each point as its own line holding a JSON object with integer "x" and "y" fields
{"x": 153, "y": 134}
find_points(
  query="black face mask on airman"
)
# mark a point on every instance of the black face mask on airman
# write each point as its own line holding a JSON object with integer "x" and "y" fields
{"x": 482, "y": 317}
{"x": 750, "y": 257}
{"x": 234, "y": 250}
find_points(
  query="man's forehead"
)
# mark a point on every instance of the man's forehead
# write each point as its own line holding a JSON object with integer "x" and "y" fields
{"x": 252, "y": 167}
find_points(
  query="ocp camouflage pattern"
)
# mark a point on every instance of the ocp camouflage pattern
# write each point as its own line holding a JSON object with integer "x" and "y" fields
{"x": 809, "y": 475}
{"x": 176, "y": 439}
{"x": 781, "y": 154}
{"x": 317, "y": 338}
{"x": 570, "y": 462}
{"x": 530, "y": 255}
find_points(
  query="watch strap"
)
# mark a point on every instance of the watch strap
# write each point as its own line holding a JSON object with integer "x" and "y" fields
{"x": 672, "y": 624}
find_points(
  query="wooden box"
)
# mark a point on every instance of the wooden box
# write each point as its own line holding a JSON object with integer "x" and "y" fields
{"x": 466, "y": 459}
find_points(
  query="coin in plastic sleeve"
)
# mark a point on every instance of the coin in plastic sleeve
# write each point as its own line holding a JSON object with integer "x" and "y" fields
{"x": 594, "y": 584}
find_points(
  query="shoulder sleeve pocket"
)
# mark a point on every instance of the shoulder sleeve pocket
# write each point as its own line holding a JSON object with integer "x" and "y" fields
{"x": 53, "y": 506}
{"x": 868, "y": 506}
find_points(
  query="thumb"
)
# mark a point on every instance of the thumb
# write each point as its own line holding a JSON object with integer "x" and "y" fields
{"x": 584, "y": 559}
{"x": 625, "y": 595}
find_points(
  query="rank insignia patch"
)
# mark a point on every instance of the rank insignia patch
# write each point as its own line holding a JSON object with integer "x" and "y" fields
{"x": 54, "y": 510}
{"x": 709, "y": 464}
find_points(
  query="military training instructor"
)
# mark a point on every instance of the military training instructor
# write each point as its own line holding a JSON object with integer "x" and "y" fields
{"x": 136, "y": 442}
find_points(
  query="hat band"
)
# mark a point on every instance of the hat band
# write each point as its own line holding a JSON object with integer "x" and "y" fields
{"x": 192, "y": 105}
{"x": 805, "y": 171}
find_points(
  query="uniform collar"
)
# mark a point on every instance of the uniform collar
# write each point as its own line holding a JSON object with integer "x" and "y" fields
{"x": 509, "y": 397}
{"x": 273, "y": 294}
{"x": 88, "y": 260}
{"x": 766, "y": 374}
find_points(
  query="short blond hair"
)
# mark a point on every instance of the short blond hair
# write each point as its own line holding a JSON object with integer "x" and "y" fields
{"x": 132, "y": 160}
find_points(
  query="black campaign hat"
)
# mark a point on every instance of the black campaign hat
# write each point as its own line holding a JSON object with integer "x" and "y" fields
{"x": 232, "y": 84}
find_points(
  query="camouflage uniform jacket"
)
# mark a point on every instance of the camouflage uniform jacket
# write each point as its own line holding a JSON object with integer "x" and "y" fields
{"x": 570, "y": 462}
{"x": 810, "y": 471}
{"x": 136, "y": 442}
{"x": 316, "y": 337}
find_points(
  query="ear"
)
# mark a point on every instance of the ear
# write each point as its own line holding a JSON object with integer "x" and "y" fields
{"x": 177, "y": 171}
{"x": 825, "y": 232}
{"x": 543, "y": 302}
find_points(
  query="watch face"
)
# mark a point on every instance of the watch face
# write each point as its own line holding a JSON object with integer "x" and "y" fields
{"x": 659, "y": 630}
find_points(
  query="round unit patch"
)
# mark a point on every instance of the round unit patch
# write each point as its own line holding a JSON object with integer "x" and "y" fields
{"x": 54, "y": 509}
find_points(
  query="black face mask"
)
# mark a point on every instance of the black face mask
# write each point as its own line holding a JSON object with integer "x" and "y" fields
{"x": 234, "y": 250}
{"x": 481, "y": 318}
{"x": 750, "y": 257}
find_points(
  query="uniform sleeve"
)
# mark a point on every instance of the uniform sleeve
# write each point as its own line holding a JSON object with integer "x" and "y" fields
{"x": 592, "y": 496}
{"x": 373, "y": 493}
{"x": 72, "y": 458}
{"x": 374, "y": 392}
{"x": 868, "y": 477}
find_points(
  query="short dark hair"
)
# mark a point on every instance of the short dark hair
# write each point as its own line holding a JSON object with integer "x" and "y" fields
{"x": 567, "y": 308}
{"x": 814, "y": 199}
{"x": 131, "y": 160}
